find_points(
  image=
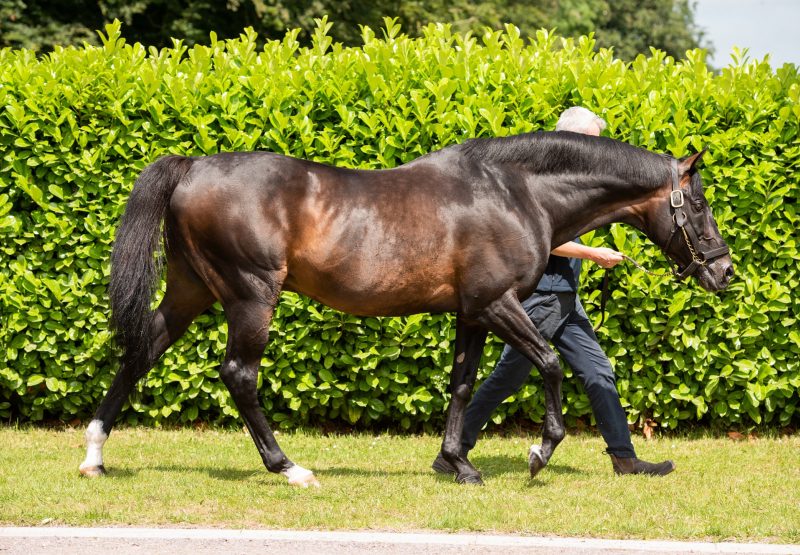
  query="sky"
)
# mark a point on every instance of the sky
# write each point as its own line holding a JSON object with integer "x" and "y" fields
{"x": 764, "y": 26}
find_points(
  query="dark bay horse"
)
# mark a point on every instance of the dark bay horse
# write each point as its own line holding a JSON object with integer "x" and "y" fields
{"x": 467, "y": 229}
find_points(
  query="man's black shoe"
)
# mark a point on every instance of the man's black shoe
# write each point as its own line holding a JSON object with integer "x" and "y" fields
{"x": 633, "y": 465}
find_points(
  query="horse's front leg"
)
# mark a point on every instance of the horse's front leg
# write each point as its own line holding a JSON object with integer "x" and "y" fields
{"x": 466, "y": 358}
{"x": 506, "y": 318}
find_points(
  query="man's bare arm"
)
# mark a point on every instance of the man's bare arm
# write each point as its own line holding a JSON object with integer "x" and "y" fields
{"x": 603, "y": 256}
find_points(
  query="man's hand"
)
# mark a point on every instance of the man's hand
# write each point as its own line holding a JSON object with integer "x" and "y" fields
{"x": 605, "y": 257}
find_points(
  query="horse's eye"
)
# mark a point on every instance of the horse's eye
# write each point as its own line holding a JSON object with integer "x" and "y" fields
{"x": 697, "y": 206}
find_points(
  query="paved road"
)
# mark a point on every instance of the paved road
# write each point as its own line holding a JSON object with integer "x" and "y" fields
{"x": 134, "y": 541}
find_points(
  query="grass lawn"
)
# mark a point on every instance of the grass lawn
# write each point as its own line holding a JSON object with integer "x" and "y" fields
{"x": 722, "y": 490}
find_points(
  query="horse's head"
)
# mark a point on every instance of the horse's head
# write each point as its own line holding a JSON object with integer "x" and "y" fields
{"x": 687, "y": 231}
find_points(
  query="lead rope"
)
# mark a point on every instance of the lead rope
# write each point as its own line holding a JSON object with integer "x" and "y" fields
{"x": 642, "y": 268}
{"x": 604, "y": 295}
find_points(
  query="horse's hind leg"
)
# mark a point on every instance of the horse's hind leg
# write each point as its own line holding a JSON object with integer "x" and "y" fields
{"x": 186, "y": 297}
{"x": 248, "y": 331}
{"x": 506, "y": 318}
{"x": 466, "y": 358}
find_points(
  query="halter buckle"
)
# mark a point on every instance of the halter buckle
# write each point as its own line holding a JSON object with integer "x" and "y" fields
{"x": 676, "y": 198}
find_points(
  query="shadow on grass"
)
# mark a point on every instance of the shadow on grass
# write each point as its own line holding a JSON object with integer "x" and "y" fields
{"x": 113, "y": 472}
{"x": 345, "y": 471}
{"x": 233, "y": 474}
{"x": 237, "y": 475}
{"x": 488, "y": 465}
{"x": 497, "y": 465}
{"x": 493, "y": 466}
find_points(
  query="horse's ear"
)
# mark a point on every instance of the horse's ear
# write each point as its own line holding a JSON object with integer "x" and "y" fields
{"x": 689, "y": 162}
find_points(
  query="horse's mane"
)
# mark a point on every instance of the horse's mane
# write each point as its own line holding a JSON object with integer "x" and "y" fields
{"x": 559, "y": 152}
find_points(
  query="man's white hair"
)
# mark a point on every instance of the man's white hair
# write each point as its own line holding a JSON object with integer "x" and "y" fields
{"x": 578, "y": 119}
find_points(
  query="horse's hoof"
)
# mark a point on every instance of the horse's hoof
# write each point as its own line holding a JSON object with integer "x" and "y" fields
{"x": 535, "y": 460}
{"x": 469, "y": 479}
{"x": 305, "y": 481}
{"x": 93, "y": 471}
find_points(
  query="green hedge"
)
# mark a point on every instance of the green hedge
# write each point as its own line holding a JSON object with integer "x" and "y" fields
{"x": 79, "y": 124}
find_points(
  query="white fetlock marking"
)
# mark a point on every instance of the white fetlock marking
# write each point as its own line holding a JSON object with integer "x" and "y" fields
{"x": 299, "y": 476}
{"x": 535, "y": 449}
{"x": 95, "y": 438}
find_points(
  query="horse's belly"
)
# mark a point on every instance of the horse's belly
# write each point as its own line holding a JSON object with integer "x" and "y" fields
{"x": 371, "y": 295}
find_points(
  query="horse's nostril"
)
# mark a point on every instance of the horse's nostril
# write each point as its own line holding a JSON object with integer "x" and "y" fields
{"x": 728, "y": 273}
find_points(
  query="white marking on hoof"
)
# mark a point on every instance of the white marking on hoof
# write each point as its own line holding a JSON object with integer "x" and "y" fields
{"x": 535, "y": 459}
{"x": 301, "y": 477}
{"x": 92, "y": 466}
{"x": 92, "y": 471}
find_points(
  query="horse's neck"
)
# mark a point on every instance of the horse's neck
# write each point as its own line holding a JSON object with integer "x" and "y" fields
{"x": 594, "y": 201}
{"x": 577, "y": 183}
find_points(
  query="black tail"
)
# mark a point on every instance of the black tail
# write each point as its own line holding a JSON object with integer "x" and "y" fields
{"x": 135, "y": 267}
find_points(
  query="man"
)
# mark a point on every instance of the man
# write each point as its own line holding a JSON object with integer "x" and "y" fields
{"x": 557, "y": 313}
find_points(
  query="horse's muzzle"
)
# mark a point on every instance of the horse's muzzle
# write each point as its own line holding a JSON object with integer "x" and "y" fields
{"x": 717, "y": 275}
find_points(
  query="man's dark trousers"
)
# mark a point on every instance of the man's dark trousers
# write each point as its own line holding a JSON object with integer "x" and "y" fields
{"x": 561, "y": 320}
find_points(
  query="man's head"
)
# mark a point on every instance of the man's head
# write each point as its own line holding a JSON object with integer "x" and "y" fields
{"x": 580, "y": 120}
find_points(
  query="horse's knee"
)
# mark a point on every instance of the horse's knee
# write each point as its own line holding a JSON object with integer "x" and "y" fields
{"x": 229, "y": 371}
{"x": 239, "y": 379}
{"x": 551, "y": 370}
{"x": 462, "y": 392}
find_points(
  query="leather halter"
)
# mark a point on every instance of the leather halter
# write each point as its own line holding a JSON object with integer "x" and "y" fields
{"x": 700, "y": 257}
